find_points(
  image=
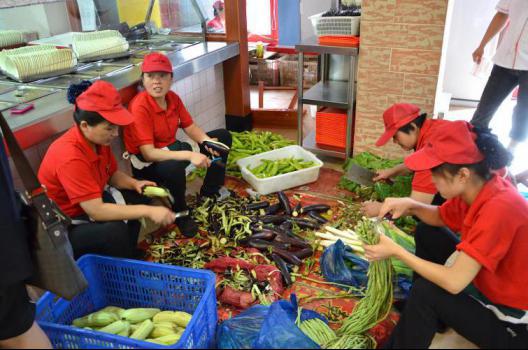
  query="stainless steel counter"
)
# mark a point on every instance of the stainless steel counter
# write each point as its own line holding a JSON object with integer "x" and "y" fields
{"x": 53, "y": 114}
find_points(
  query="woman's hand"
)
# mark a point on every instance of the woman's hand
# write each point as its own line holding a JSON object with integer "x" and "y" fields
{"x": 210, "y": 150}
{"x": 386, "y": 248}
{"x": 371, "y": 208}
{"x": 383, "y": 174}
{"x": 161, "y": 215}
{"x": 140, "y": 184}
{"x": 477, "y": 54}
{"x": 397, "y": 207}
{"x": 199, "y": 160}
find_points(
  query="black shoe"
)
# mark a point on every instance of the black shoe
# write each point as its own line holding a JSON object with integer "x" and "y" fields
{"x": 219, "y": 195}
{"x": 188, "y": 227}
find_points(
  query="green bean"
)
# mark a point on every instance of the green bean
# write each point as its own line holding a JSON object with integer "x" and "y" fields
{"x": 376, "y": 304}
{"x": 247, "y": 143}
{"x": 269, "y": 168}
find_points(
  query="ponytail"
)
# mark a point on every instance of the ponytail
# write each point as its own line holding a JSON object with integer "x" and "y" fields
{"x": 79, "y": 115}
{"x": 496, "y": 155}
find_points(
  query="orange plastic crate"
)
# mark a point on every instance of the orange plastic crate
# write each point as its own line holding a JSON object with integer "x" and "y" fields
{"x": 330, "y": 127}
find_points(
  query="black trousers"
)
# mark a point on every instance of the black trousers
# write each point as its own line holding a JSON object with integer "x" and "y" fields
{"x": 111, "y": 238}
{"x": 500, "y": 84}
{"x": 171, "y": 173}
{"x": 430, "y": 307}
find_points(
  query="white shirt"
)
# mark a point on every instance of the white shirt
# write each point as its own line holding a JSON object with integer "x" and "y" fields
{"x": 512, "y": 52}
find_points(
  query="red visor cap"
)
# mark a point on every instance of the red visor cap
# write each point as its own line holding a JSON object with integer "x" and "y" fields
{"x": 396, "y": 116}
{"x": 453, "y": 143}
{"x": 156, "y": 62}
{"x": 103, "y": 98}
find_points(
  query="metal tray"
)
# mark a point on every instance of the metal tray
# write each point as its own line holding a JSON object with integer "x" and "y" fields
{"x": 126, "y": 61}
{"x": 5, "y": 87}
{"x": 62, "y": 82}
{"x": 25, "y": 94}
{"x": 100, "y": 69}
{"x": 104, "y": 57}
{"x": 6, "y": 105}
{"x": 40, "y": 76}
{"x": 143, "y": 53}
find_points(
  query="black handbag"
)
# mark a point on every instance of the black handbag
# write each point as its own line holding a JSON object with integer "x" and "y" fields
{"x": 55, "y": 269}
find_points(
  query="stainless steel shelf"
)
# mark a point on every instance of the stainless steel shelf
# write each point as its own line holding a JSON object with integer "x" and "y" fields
{"x": 310, "y": 145}
{"x": 328, "y": 93}
{"x": 312, "y": 45}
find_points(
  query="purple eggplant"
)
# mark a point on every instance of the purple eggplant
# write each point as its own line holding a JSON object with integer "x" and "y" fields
{"x": 297, "y": 210}
{"x": 283, "y": 268}
{"x": 304, "y": 253}
{"x": 304, "y": 223}
{"x": 273, "y": 209}
{"x": 258, "y": 205}
{"x": 314, "y": 215}
{"x": 273, "y": 219}
{"x": 287, "y": 256}
{"x": 262, "y": 244}
{"x": 315, "y": 207}
{"x": 294, "y": 242}
{"x": 285, "y": 202}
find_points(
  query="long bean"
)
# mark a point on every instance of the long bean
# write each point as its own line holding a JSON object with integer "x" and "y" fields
{"x": 376, "y": 304}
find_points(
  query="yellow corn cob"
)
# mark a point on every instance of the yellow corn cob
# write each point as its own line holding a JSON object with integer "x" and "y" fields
{"x": 153, "y": 191}
{"x": 155, "y": 341}
{"x": 160, "y": 331}
{"x": 143, "y": 331}
{"x": 97, "y": 319}
{"x": 139, "y": 315}
{"x": 169, "y": 339}
{"x": 116, "y": 327}
{"x": 133, "y": 328}
{"x": 166, "y": 324}
{"x": 180, "y": 318}
{"x": 126, "y": 331}
{"x": 115, "y": 309}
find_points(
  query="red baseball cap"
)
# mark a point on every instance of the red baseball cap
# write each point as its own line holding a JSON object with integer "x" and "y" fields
{"x": 103, "y": 98}
{"x": 396, "y": 116}
{"x": 156, "y": 62}
{"x": 219, "y": 5}
{"x": 452, "y": 143}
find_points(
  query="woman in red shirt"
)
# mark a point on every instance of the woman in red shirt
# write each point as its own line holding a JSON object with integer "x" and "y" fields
{"x": 155, "y": 153}
{"x": 80, "y": 174}
{"x": 479, "y": 291}
{"x": 411, "y": 130}
{"x": 217, "y": 24}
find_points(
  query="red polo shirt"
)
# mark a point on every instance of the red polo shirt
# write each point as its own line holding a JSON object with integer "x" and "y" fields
{"x": 422, "y": 180}
{"x": 154, "y": 125}
{"x": 73, "y": 173}
{"x": 495, "y": 233}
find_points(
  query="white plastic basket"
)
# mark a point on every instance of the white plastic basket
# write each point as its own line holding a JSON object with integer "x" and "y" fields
{"x": 346, "y": 25}
{"x": 284, "y": 181}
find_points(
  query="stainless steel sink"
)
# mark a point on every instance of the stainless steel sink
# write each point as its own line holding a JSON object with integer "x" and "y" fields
{"x": 6, "y": 105}
{"x": 26, "y": 93}
{"x": 63, "y": 81}
{"x": 100, "y": 69}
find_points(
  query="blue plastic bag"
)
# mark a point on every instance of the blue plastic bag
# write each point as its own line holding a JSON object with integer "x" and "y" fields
{"x": 241, "y": 331}
{"x": 279, "y": 330}
{"x": 340, "y": 265}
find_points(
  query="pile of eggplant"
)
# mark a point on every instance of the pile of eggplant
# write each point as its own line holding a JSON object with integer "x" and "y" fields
{"x": 272, "y": 231}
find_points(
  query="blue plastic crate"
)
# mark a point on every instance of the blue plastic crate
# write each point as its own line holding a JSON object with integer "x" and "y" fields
{"x": 130, "y": 284}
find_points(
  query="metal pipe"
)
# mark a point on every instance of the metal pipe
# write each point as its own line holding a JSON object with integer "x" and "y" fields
{"x": 300, "y": 89}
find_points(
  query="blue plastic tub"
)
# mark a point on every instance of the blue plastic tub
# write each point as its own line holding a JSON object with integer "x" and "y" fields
{"x": 130, "y": 284}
